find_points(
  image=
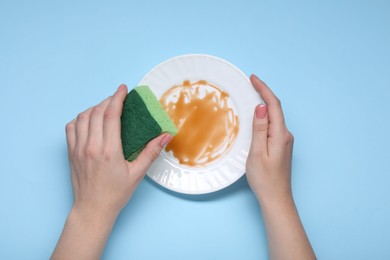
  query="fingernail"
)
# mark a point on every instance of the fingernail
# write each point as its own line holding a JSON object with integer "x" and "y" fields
{"x": 121, "y": 87}
{"x": 256, "y": 77}
{"x": 167, "y": 138}
{"x": 261, "y": 111}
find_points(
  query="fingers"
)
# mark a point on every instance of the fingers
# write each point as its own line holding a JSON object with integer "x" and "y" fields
{"x": 112, "y": 118}
{"x": 71, "y": 135}
{"x": 259, "y": 144}
{"x": 96, "y": 122}
{"x": 82, "y": 127}
{"x": 89, "y": 125}
{"x": 275, "y": 113}
{"x": 151, "y": 152}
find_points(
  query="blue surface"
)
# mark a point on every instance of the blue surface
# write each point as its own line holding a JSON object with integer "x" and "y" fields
{"x": 329, "y": 62}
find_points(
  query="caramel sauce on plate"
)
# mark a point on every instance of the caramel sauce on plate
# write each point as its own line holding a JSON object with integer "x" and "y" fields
{"x": 207, "y": 124}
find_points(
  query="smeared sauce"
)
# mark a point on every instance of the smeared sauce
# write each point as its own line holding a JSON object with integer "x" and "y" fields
{"x": 207, "y": 124}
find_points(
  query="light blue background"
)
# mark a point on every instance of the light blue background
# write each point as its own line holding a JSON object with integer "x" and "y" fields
{"x": 328, "y": 61}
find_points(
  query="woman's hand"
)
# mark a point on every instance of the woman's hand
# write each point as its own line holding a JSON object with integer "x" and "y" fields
{"x": 269, "y": 175}
{"x": 103, "y": 181}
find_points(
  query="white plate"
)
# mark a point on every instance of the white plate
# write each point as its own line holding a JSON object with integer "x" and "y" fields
{"x": 166, "y": 170}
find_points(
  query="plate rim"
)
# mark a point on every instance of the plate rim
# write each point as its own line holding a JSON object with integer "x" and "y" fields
{"x": 193, "y": 55}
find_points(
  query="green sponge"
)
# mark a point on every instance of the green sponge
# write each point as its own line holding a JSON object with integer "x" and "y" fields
{"x": 143, "y": 118}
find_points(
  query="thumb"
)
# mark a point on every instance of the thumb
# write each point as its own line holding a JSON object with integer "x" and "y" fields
{"x": 151, "y": 152}
{"x": 259, "y": 143}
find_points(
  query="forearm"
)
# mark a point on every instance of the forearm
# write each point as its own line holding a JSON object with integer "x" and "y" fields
{"x": 286, "y": 236}
{"x": 84, "y": 235}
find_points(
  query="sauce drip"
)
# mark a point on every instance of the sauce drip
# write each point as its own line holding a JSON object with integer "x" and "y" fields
{"x": 207, "y": 124}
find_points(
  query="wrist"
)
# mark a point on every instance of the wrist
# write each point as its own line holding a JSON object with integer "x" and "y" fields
{"x": 283, "y": 199}
{"x": 89, "y": 217}
{"x": 85, "y": 234}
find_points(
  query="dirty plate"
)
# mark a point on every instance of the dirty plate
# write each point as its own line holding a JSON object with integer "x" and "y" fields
{"x": 166, "y": 170}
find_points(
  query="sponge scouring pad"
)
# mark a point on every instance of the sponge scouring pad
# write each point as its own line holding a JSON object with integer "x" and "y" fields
{"x": 143, "y": 118}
